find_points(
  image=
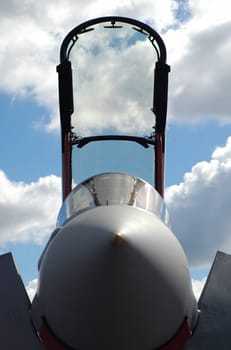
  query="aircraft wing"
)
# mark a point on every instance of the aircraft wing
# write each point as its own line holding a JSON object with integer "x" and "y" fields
{"x": 16, "y": 331}
{"x": 213, "y": 330}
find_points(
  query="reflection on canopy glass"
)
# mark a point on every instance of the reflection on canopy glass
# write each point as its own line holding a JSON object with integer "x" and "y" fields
{"x": 112, "y": 189}
{"x": 112, "y": 156}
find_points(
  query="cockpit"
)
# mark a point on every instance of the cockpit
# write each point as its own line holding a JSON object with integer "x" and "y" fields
{"x": 113, "y": 189}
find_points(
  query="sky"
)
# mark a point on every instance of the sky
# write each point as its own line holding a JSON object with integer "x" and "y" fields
{"x": 198, "y": 150}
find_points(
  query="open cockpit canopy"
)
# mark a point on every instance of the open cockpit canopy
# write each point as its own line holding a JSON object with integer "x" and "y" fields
{"x": 113, "y": 82}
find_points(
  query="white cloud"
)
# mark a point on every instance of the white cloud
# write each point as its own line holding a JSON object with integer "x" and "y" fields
{"x": 28, "y": 212}
{"x": 33, "y": 31}
{"x": 208, "y": 13}
{"x": 223, "y": 153}
{"x": 31, "y": 288}
{"x": 200, "y": 208}
{"x": 198, "y": 286}
{"x": 200, "y": 79}
{"x": 198, "y": 50}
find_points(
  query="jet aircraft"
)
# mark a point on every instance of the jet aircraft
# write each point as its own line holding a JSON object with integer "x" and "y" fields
{"x": 113, "y": 275}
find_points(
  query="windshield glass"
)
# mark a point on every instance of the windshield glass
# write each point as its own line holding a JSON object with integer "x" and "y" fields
{"x": 112, "y": 156}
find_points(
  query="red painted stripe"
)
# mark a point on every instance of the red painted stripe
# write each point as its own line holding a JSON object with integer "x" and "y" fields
{"x": 49, "y": 340}
{"x": 181, "y": 338}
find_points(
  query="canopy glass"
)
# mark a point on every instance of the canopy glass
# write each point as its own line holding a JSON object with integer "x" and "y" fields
{"x": 112, "y": 189}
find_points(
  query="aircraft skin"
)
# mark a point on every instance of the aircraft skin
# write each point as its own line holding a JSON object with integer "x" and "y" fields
{"x": 113, "y": 275}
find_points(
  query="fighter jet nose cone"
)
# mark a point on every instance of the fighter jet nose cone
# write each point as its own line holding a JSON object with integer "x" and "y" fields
{"x": 118, "y": 238}
{"x": 93, "y": 295}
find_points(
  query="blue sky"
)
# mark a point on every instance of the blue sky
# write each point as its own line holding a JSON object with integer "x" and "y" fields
{"x": 24, "y": 142}
{"x": 197, "y": 131}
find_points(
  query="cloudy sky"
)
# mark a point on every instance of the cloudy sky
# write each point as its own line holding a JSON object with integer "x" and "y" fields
{"x": 198, "y": 164}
